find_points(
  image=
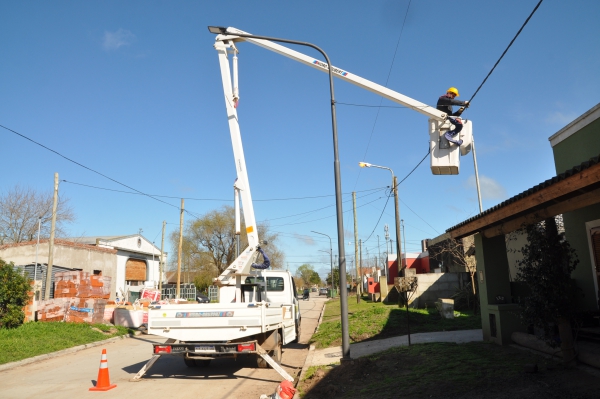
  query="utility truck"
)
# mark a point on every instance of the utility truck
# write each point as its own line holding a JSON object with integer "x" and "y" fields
{"x": 257, "y": 311}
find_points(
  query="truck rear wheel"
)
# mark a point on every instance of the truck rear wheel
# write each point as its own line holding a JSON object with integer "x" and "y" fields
{"x": 275, "y": 354}
{"x": 191, "y": 362}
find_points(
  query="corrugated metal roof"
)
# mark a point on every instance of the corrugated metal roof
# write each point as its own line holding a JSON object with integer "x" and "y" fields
{"x": 577, "y": 169}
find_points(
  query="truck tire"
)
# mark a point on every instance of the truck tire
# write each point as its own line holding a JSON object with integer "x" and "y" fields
{"x": 191, "y": 362}
{"x": 298, "y": 326}
{"x": 275, "y": 354}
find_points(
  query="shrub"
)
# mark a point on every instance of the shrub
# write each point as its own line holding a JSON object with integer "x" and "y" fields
{"x": 13, "y": 295}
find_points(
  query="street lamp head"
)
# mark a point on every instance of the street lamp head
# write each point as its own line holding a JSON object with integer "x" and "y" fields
{"x": 217, "y": 30}
{"x": 364, "y": 165}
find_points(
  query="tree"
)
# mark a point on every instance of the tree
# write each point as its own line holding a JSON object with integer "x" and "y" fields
{"x": 20, "y": 210}
{"x": 459, "y": 255}
{"x": 315, "y": 278}
{"x": 13, "y": 295}
{"x": 545, "y": 268}
{"x": 209, "y": 245}
{"x": 336, "y": 278}
{"x": 306, "y": 272}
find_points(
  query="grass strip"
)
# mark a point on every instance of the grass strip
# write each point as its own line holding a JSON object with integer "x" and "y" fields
{"x": 375, "y": 320}
{"x": 34, "y": 338}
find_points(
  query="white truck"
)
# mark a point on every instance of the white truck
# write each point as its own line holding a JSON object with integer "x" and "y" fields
{"x": 262, "y": 319}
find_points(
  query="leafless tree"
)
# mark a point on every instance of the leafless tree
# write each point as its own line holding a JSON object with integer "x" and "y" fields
{"x": 456, "y": 255}
{"x": 22, "y": 207}
{"x": 209, "y": 243}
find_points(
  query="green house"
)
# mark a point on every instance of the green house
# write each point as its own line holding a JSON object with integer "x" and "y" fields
{"x": 573, "y": 193}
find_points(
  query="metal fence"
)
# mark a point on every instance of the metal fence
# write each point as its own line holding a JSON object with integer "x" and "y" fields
{"x": 186, "y": 291}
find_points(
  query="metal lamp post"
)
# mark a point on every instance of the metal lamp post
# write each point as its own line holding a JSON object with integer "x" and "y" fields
{"x": 397, "y": 210}
{"x": 331, "y": 262}
{"x": 330, "y": 258}
{"x": 337, "y": 174}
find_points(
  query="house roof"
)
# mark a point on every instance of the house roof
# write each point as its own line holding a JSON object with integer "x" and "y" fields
{"x": 570, "y": 190}
{"x": 61, "y": 242}
{"x": 573, "y": 127}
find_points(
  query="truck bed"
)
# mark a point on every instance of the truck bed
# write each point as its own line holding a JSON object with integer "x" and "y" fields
{"x": 214, "y": 322}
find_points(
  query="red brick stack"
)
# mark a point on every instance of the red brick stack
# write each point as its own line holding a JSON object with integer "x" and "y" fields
{"x": 81, "y": 285}
{"x": 78, "y": 297}
{"x": 53, "y": 309}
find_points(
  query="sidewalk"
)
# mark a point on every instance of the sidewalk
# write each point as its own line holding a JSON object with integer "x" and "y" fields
{"x": 326, "y": 356}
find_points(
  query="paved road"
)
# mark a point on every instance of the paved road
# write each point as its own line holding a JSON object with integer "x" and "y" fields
{"x": 71, "y": 375}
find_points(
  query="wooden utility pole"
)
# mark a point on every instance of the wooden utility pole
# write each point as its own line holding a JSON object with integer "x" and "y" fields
{"x": 162, "y": 258}
{"x": 358, "y": 278}
{"x": 51, "y": 242}
{"x": 179, "y": 251}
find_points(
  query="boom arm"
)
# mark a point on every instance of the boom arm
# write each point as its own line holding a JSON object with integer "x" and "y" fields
{"x": 242, "y": 265}
{"x": 392, "y": 95}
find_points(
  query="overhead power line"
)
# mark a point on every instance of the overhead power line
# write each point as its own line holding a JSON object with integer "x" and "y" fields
{"x": 510, "y": 44}
{"x": 85, "y": 167}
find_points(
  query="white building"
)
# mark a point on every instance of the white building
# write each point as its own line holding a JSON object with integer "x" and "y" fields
{"x": 138, "y": 261}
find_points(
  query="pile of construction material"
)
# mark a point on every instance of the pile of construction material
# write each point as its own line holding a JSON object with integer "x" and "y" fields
{"x": 78, "y": 297}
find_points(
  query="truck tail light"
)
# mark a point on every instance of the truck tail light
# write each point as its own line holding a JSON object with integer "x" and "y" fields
{"x": 162, "y": 349}
{"x": 246, "y": 347}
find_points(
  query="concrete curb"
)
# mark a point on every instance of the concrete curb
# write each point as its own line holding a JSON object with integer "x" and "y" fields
{"x": 51, "y": 355}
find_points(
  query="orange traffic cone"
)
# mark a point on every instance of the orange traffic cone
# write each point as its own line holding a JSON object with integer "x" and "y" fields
{"x": 103, "y": 383}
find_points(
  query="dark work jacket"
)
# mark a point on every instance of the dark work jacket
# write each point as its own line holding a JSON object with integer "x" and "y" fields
{"x": 445, "y": 104}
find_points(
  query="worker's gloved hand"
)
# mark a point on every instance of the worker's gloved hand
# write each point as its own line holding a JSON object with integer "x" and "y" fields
{"x": 467, "y": 104}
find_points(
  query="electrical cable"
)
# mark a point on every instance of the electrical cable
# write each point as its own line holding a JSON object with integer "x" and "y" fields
{"x": 83, "y": 166}
{"x": 215, "y": 199}
{"x": 510, "y": 44}
{"x": 387, "y": 81}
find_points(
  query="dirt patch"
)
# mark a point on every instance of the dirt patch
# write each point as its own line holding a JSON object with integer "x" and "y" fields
{"x": 469, "y": 374}
{"x": 111, "y": 331}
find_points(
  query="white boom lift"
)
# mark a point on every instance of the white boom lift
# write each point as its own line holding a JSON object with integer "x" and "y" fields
{"x": 257, "y": 311}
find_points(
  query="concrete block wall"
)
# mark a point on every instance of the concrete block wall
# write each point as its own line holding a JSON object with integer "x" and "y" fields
{"x": 433, "y": 286}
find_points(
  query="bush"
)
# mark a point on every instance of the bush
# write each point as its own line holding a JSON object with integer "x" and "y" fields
{"x": 13, "y": 296}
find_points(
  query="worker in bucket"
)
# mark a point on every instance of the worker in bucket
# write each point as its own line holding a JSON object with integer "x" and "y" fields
{"x": 445, "y": 104}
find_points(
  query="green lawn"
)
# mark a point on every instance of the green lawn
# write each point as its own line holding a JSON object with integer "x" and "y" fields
{"x": 375, "y": 320}
{"x": 448, "y": 370}
{"x": 33, "y": 339}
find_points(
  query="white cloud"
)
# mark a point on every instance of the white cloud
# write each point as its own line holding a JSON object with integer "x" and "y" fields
{"x": 308, "y": 240}
{"x": 114, "y": 40}
{"x": 560, "y": 118}
{"x": 490, "y": 188}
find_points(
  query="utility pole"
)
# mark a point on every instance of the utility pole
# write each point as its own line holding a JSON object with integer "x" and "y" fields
{"x": 177, "y": 291}
{"x": 51, "y": 242}
{"x": 398, "y": 236}
{"x": 358, "y": 279}
{"x": 162, "y": 257}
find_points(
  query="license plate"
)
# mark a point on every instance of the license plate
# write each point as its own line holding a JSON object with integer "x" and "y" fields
{"x": 204, "y": 348}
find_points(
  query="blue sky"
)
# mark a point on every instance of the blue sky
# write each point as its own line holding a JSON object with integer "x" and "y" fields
{"x": 132, "y": 90}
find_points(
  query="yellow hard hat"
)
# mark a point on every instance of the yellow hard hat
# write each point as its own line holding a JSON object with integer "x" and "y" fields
{"x": 453, "y": 90}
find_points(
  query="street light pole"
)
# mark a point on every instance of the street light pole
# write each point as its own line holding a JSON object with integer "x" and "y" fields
{"x": 397, "y": 209}
{"x": 337, "y": 175}
{"x": 330, "y": 258}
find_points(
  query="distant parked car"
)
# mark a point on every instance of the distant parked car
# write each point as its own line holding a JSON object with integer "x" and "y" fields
{"x": 202, "y": 298}
{"x": 323, "y": 291}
